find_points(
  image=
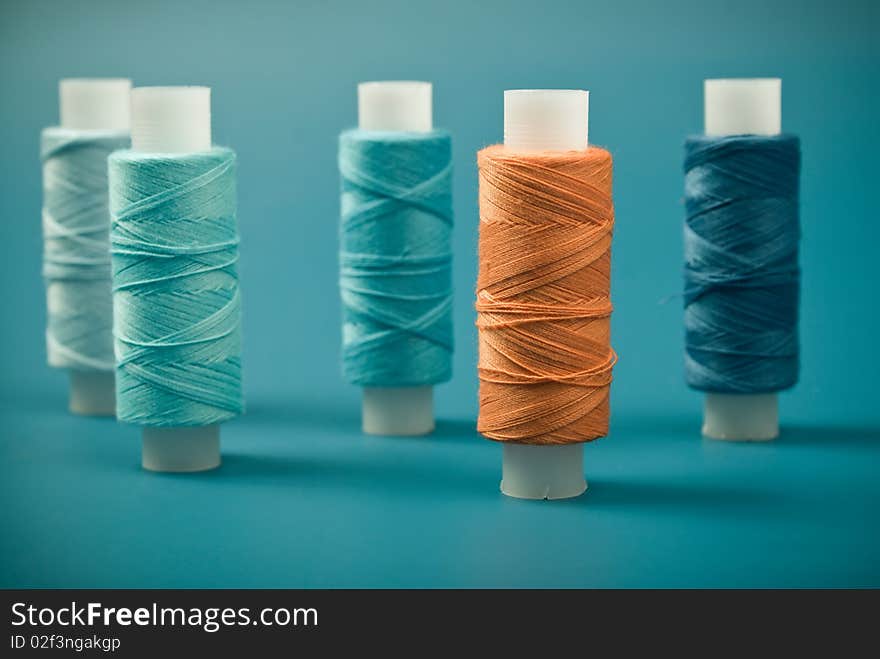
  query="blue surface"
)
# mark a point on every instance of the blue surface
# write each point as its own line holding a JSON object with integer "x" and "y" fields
{"x": 303, "y": 499}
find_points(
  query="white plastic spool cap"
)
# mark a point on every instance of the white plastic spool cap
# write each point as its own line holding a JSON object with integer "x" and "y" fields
{"x": 742, "y": 106}
{"x": 396, "y": 105}
{"x": 404, "y": 106}
{"x": 99, "y": 104}
{"x": 544, "y": 120}
{"x": 175, "y": 120}
{"x": 171, "y": 119}
{"x": 95, "y": 103}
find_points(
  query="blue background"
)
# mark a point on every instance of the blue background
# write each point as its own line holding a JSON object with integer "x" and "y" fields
{"x": 303, "y": 499}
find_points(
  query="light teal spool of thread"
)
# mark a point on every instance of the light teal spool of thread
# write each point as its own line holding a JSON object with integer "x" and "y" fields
{"x": 177, "y": 311}
{"x": 395, "y": 257}
{"x": 76, "y": 248}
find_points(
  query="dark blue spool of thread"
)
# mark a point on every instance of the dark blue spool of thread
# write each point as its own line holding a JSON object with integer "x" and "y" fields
{"x": 742, "y": 277}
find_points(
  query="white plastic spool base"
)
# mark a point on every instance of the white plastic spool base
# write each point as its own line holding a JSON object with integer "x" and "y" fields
{"x": 742, "y": 106}
{"x": 99, "y": 104}
{"x": 175, "y": 120}
{"x": 543, "y": 472}
{"x": 181, "y": 449}
{"x": 545, "y": 120}
{"x": 404, "y": 106}
{"x": 93, "y": 393}
{"x": 741, "y": 417}
{"x": 401, "y": 411}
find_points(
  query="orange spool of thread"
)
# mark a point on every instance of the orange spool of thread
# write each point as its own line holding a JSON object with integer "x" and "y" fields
{"x": 543, "y": 292}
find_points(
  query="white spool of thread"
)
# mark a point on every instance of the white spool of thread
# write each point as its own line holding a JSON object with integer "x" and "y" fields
{"x": 175, "y": 120}
{"x": 742, "y": 106}
{"x": 404, "y": 106}
{"x": 94, "y": 104}
{"x": 544, "y": 120}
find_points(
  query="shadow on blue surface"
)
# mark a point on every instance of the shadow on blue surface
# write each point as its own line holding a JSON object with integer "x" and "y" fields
{"x": 654, "y": 425}
{"x": 376, "y": 474}
{"x": 320, "y": 504}
{"x": 847, "y": 436}
{"x": 687, "y": 427}
{"x": 302, "y": 413}
{"x": 464, "y": 430}
{"x": 681, "y": 498}
{"x": 321, "y": 415}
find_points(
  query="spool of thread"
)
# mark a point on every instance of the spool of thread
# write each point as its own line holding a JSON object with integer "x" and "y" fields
{"x": 395, "y": 256}
{"x": 76, "y": 228}
{"x": 543, "y": 292}
{"x": 174, "y": 244}
{"x": 741, "y": 251}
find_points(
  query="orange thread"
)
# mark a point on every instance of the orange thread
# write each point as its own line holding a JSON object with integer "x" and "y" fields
{"x": 543, "y": 295}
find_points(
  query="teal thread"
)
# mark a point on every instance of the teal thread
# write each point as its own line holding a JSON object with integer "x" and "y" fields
{"x": 395, "y": 257}
{"x": 76, "y": 247}
{"x": 174, "y": 245}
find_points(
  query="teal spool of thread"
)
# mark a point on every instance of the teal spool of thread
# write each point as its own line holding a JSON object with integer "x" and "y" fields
{"x": 76, "y": 254}
{"x": 177, "y": 306}
{"x": 395, "y": 257}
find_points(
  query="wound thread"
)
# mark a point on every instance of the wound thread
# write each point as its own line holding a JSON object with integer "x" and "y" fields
{"x": 395, "y": 257}
{"x": 76, "y": 246}
{"x": 543, "y": 295}
{"x": 741, "y": 276}
{"x": 174, "y": 243}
